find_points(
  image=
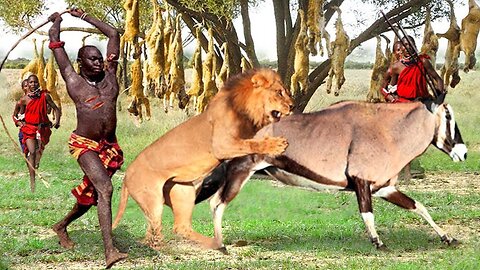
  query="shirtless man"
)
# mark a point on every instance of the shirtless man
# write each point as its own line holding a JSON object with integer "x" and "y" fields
{"x": 35, "y": 126}
{"x": 93, "y": 143}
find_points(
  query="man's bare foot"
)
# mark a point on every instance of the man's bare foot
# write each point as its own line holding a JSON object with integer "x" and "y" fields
{"x": 114, "y": 257}
{"x": 65, "y": 241}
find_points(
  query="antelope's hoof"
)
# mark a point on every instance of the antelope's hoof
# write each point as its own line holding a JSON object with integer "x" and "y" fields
{"x": 223, "y": 250}
{"x": 381, "y": 247}
{"x": 452, "y": 242}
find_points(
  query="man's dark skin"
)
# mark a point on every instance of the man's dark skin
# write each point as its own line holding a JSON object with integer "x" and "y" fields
{"x": 95, "y": 120}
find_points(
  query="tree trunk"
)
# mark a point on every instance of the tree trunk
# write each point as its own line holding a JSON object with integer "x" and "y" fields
{"x": 247, "y": 32}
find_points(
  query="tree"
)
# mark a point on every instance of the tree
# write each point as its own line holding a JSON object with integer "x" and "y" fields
{"x": 219, "y": 15}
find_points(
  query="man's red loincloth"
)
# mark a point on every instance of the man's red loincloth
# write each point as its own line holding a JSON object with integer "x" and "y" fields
{"x": 109, "y": 153}
{"x": 37, "y": 125}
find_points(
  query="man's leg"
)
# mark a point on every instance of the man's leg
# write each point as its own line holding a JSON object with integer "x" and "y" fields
{"x": 98, "y": 175}
{"x": 61, "y": 227}
{"x": 31, "y": 146}
{"x": 38, "y": 153}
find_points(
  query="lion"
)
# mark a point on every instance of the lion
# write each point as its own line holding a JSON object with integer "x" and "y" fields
{"x": 168, "y": 171}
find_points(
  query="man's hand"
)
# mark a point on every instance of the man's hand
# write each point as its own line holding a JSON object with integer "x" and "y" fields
{"x": 55, "y": 16}
{"x": 76, "y": 12}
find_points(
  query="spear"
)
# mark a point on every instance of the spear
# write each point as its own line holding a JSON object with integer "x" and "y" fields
{"x": 25, "y": 36}
{"x": 412, "y": 50}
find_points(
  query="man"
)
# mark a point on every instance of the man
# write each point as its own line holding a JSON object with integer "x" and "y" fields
{"x": 18, "y": 115}
{"x": 409, "y": 74}
{"x": 35, "y": 125}
{"x": 93, "y": 143}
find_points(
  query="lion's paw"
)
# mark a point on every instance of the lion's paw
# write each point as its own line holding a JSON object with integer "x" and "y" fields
{"x": 274, "y": 145}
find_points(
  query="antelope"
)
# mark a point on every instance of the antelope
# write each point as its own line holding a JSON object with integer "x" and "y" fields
{"x": 351, "y": 146}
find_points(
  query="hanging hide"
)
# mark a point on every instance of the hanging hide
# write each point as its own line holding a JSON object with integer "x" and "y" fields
{"x": 209, "y": 85}
{"x": 430, "y": 40}
{"x": 52, "y": 81}
{"x": 132, "y": 21}
{"x": 299, "y": 79}
{"x": 339, "y": 49}
{"x": 196, "y": 88}
{"x": 177, "y": 72}
{"x": 136, "y": 88}
{"x": 449, "y": 71}
{"x": 315, "y": 25}
{"x": 469, "y": 35}
{"x": 32, "y": 66}
{"x": 155, "y": 73}
{"x": 380, "y": 67}
{"x": 223, "y": 74}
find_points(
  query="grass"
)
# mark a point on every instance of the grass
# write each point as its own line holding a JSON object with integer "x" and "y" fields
{"x": 284, "y": 227}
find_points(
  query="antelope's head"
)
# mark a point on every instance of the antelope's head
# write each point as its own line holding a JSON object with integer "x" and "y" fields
{"x": 447, "y": 136}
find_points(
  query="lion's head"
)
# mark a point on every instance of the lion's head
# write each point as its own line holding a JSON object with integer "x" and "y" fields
{"x": 260, "y": 95}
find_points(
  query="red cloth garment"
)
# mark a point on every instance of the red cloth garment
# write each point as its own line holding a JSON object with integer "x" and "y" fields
{"x": 109, "y": 153}
{"x": 37, "y": 125}
{"x": 412, "y": 81}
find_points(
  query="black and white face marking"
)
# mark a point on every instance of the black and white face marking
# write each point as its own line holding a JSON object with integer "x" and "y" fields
{"x": 448, "y": 137}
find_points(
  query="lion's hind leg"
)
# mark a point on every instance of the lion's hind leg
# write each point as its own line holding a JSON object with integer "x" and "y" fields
{"x": 181, "y": 197}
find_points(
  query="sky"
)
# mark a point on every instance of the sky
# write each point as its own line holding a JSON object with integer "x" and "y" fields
{"x": 263, "y": 31}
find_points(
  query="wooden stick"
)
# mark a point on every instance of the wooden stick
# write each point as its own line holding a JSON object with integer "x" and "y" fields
{"x": 18, "y": 149}
{"x": 25, "y": 36}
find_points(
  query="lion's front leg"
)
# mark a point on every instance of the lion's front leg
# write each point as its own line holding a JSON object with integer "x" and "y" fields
{"x": 268, "y": 145}
{"x": 236, "y": 148}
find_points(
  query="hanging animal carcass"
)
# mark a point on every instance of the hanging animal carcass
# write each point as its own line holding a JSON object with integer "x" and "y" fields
{"x": 380, "y": 67}
{"x": 339, "y": 48}
{"x": 469, "y": 34}
{"x": 196, "y": 87}
{"x": 299, "y": 79}
{"x": 136, "y": 90}
{"x": 348, "y": 146}
{"x": 208, "y": 69}
{"x": 449, "y": 70}
{"x": 430, "y": 40}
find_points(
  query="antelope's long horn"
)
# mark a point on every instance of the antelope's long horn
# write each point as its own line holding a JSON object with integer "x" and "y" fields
{"x": 25, "y": 36}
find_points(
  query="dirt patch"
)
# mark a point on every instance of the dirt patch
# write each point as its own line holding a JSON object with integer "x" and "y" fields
{"x": 454, "y": 182}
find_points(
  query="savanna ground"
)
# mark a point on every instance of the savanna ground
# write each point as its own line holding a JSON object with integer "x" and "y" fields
{"x": 268, "y": 226}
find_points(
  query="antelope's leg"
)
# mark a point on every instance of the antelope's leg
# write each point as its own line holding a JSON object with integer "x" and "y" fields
{"x": 364, "y": 199}
{"x": 391, "y": 194}
{"x": 239, "y": 171}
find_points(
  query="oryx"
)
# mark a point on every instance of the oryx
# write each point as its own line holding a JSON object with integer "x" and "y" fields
{"x": 352, "y": 146}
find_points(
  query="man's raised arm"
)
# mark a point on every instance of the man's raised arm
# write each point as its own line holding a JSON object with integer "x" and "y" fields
{"x": 113, "y": 45}
{"x": 56, "y": 45}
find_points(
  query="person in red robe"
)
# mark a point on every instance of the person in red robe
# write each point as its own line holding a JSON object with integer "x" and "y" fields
{"x": 35, "y": 126}
{"x": 408, "y": 76}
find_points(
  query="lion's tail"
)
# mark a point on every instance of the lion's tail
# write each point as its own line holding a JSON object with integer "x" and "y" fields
{"x": 122, "y": 204}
